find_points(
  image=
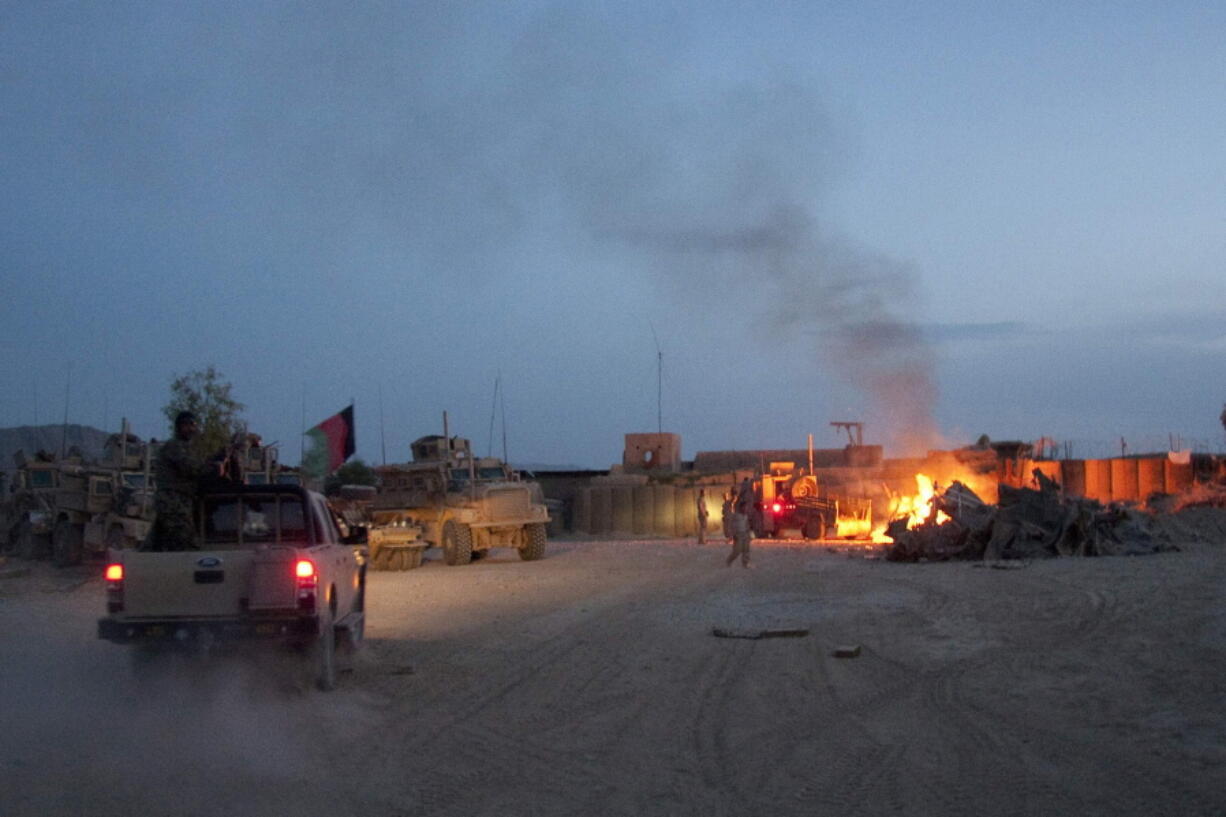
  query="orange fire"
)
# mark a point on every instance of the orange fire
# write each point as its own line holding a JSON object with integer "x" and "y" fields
{"x": 919, "y": 506}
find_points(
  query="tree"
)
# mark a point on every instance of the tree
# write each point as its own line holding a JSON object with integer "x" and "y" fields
{"x": 354, "y": 472}
{"x": 207, "y": 394}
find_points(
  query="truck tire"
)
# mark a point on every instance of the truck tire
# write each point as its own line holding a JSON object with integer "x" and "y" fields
{"x": 457, "y": 543}
{"x": 29, "y": 544}
{"x": 534, "y": 548}
{"x": 67, "y": 544}
{"x": 322, "y": 654}
{"x": 814, "y": 527}
{"x": 115, "y": 539}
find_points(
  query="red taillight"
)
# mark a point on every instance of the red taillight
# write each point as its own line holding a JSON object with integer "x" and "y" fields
{"x": 308, "y": 579}
{"x": 777, "y": 507}
{"x": 114, "y": 587}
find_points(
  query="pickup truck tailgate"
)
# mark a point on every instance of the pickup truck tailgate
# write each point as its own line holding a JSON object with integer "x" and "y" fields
{"x": 187, "y": 584}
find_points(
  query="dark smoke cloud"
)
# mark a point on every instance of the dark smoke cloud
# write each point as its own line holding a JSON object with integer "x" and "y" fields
{"x": 719, "y": 181}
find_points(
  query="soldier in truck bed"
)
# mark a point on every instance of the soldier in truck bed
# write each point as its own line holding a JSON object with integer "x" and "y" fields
{"x": 179, "y": 473}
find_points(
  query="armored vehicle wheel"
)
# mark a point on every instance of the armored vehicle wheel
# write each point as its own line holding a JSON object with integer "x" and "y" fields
{"x": 814, "y": 528}
{"x": 535, "y": 547}
{"x": 29, "y": 544}
{"x": 457, "y": 543}
{"x": 322, "y": 653}
{"x": 67, "y": 544}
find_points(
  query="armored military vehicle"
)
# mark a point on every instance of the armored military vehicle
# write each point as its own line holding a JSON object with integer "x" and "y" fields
{"x": 29, "y": 510}
{"x": 463, "y": 504}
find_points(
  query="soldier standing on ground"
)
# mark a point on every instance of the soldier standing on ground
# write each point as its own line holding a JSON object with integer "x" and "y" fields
{"x": 740, "y": 525}
{"x": 727, "y": 517}
{"x": 702, "y": 516}
{"x": 178, "y": 472}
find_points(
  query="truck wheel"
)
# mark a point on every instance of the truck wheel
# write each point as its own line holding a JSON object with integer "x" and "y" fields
{"x": 535, "y": 547}
{"x": 457, "y": 543}
{"x": 322, "y": 653}
{"x": 814, "y": 528}
{"x": 67, "y": 543}
{"x": 29, "y": 544}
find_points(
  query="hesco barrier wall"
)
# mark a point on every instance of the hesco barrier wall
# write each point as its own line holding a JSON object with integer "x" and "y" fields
{"x": 645, "y": 510}
{"x": 1122, "y": 479}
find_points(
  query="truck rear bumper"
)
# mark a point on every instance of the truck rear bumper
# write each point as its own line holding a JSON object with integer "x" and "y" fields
{"x": 194, "y": 630}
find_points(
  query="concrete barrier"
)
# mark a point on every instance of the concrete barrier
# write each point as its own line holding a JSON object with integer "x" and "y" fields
{"x": 644, "y": 510}
{"x": 581, "y": 519}
{"x": 685, "y": 509}
{"x": 622, "y": 510}
{"x": 665, "y": 523}
{"x": 1098, "y": 480}
{"x": 602, "y": 511}
{"x": 1151, "y": 477}
{"x": 1124, "y": 480}
{"x": 1074, "y": 473}
{"x": 1177, "y": 477}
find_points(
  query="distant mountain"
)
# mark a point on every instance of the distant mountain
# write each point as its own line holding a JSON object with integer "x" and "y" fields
{"x": 52, "y": 438}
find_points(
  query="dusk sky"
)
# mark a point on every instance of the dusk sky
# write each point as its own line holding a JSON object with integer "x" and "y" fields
{"x": 942, "y": 219}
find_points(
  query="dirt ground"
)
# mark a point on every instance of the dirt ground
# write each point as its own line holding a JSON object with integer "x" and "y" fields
{"x": 590, "y": 683}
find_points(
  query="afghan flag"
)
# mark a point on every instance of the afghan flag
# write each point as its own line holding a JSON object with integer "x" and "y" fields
{"x": 332, "y": 443}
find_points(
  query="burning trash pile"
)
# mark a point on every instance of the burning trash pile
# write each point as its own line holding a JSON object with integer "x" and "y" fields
{"x": 1027, "y": 524}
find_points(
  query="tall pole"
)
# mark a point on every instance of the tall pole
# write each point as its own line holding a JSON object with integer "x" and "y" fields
{"x": 64, "y": 429}
{"x": 659, "y": 380}
{"x": 503, "y": 397}
{"x": 382, "y": 438}
{"x": 302, "y": 436}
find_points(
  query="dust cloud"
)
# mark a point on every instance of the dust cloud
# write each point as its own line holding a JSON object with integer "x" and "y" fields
{"x": 95, "y": 730}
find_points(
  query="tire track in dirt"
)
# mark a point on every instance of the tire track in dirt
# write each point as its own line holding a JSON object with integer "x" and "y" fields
{"x": 571, "y": 661}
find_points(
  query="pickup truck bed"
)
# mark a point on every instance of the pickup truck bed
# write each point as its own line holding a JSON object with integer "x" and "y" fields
{"x": 269, "y": 565}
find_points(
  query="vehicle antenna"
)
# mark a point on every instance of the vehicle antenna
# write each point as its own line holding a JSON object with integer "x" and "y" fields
{"x": 489, "y": 449}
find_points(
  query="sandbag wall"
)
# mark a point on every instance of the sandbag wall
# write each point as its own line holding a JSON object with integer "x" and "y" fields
{"x": 644, "y": 510}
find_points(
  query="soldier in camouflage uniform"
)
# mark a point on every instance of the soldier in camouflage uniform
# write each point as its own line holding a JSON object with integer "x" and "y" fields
{"x": 178, "y": 472}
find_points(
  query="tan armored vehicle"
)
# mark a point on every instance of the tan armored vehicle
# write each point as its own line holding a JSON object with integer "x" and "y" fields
{"x": 126, "y": 521}
{"x": 462, "y": 504}
{"x": 260, "y": 465}
{"x": 29, "y": 511}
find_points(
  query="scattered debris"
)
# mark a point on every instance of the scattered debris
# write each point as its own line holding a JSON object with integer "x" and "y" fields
{"x": 1004, "y": 564}
{"x": 720, "y": 632}
{"x": 847, "y": 651}
{"x": 1027, "y": 524}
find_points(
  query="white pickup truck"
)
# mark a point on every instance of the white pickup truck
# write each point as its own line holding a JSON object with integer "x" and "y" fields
{"x": 270, "y": 564}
